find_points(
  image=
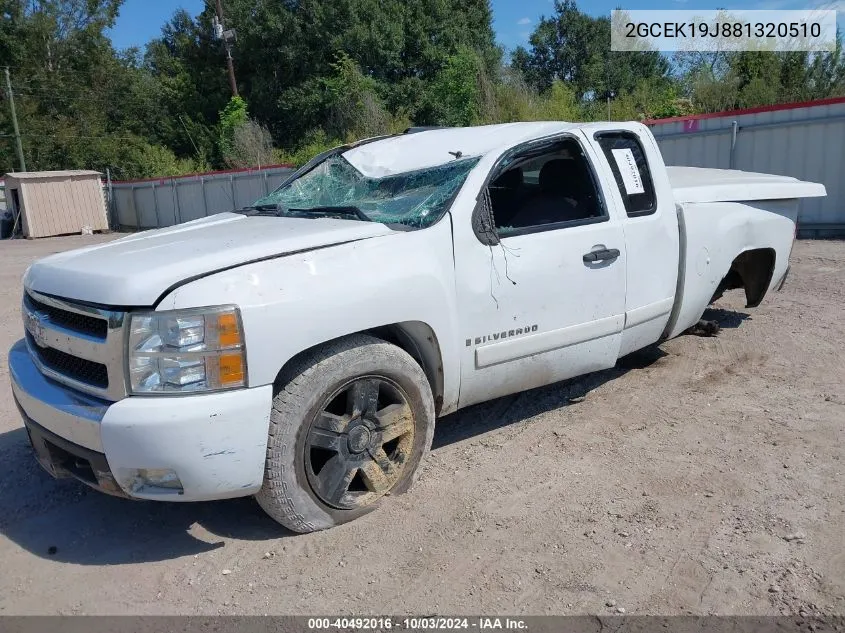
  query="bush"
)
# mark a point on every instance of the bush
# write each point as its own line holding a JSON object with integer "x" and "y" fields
{"x": 315, "y": 142}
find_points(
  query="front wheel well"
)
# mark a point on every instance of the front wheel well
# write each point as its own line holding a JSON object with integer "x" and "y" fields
{"x": 414, "y": 337}
{"x": 752, "y": 271}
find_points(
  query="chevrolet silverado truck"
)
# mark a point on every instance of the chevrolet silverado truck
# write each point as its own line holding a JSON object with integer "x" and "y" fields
{"x": 300, "y": 350}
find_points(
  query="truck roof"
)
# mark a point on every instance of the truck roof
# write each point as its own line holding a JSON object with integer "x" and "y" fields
{"x": 429, "y": 148}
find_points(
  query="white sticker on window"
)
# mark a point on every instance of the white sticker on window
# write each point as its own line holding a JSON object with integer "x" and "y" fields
{"x": 628, "y": 169}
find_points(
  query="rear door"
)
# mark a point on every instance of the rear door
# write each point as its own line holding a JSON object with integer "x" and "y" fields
{"x": 547, "y": 301}
{"x": 641, "y": 188}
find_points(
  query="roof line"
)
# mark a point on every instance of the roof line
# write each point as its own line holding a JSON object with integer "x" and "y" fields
{"x": 757, "y": 110}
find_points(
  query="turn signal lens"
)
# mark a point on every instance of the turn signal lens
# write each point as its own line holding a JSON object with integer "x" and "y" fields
{"x": 228, "y": 330}
{"x": 231, "y": 370}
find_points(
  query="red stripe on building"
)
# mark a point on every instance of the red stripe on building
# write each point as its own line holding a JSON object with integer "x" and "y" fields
{"x": 769, "y": 108}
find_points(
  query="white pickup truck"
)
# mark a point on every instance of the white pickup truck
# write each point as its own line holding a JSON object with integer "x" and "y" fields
{"x": 300, "y": 350}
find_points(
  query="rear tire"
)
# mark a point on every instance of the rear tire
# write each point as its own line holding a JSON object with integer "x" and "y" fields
{"x": 350, "y": 424}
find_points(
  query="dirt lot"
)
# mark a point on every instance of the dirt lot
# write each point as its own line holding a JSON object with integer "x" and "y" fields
{"x": 705, "y": 476}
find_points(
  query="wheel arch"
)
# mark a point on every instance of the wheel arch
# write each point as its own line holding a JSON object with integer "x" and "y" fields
{"x": 416, "y": 338}
{"x": 751, "y": 270}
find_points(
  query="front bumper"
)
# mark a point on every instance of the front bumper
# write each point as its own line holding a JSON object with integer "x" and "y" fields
{"x": 63, "y": 459}
{"x": 214, "y": 444}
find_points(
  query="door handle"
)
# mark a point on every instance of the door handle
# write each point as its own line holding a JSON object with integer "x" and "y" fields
{"x": 602, "y": 255}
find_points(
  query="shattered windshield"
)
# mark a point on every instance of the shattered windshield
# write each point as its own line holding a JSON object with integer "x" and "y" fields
{"x": 334, "y": 187}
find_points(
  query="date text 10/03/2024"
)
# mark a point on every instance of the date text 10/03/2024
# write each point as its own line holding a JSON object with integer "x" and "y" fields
{"x": 417, "y": 624}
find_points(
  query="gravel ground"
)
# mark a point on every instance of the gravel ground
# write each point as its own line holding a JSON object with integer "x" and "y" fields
{"x": 703, "y": 476}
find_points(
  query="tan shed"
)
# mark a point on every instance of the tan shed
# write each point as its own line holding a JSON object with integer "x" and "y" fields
{"x": 56, "y": 202}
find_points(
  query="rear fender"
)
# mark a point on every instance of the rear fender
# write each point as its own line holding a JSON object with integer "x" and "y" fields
{"x": 731, "y": 245}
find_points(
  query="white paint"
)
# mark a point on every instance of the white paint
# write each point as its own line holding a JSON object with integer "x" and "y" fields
{"x": 367, "y": 275}
{"x": 216, "y": 443}
{"x": 398, "y": 154}
{"x": 697, "y": 184}
{"x": 719, "y": 231}
{"x": 652, "y": 241}
{"x": 631, "y": 177}
{"x": 645, "y": 313}
{"x": 520, "y": 347}
{"x": 404, "y": 276}
{"x": 134, "y": 271}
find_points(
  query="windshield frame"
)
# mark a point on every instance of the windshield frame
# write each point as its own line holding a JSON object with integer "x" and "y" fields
{"x": 400, "y": 225}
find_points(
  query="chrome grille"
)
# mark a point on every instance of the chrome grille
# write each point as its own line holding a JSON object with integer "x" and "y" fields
{"x": 87, "y": 371}
{"x": 75, "y": 321}
{"x": 76, "y": 344}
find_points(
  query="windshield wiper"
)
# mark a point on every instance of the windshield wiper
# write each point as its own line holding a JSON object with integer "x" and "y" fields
{"x": 340, "y": 212}
{"x": 261, "y": 209}
{"x": 276, "y": 210}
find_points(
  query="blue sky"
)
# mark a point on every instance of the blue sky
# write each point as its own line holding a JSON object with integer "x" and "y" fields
{"x": 141, "y": 20}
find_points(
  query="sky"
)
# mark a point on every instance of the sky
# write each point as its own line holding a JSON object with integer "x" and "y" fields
{"x": 513, "y": 20}
{"x": 141, "y": 20}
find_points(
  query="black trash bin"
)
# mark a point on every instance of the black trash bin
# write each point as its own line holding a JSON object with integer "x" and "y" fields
{"x": 7, "y": 223}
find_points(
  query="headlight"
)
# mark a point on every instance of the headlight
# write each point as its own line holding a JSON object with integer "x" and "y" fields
{"x": 186, "y": 351}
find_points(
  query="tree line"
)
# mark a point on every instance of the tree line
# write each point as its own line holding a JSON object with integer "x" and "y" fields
{"x": 315, "y": 73}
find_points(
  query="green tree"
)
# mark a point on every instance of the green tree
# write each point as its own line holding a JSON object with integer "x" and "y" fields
{"x": 455, "y": 93}
{"x": 287, "y": 52}
{"x": 573, "y": 47}
{"x": 232, "y": 117}
{"x": 81, "y": 104}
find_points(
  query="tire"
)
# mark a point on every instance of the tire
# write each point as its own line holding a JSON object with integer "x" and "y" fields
{"x": 314, "y": 433}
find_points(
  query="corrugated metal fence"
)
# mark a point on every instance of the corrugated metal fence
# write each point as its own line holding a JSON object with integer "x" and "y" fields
{"x": 806, "y": 141}
{"x": 149, "y": 204}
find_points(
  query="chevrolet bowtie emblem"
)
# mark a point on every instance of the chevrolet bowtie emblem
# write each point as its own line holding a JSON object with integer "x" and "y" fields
{"x": 35, "y": 328}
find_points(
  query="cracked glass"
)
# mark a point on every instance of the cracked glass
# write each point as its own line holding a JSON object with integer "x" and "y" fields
{"x": 334, "y": 187}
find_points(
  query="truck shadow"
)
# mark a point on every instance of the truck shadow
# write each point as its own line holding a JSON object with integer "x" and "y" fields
{"x": 725, "y": 318}
{"x": 502, "y": 412}
{"x": 65, "y": 521}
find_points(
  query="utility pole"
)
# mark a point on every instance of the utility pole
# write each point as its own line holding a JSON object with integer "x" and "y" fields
{"x": 227, "y": 36}
{"x": 15, "y": 120}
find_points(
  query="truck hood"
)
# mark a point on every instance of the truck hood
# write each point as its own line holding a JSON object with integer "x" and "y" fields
{"x": 136, "y": 270}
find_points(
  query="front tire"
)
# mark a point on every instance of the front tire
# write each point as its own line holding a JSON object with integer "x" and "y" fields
{"x": 350, "y": 423}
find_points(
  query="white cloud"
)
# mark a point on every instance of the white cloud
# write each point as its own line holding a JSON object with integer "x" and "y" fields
{"x": 524, "y": 21}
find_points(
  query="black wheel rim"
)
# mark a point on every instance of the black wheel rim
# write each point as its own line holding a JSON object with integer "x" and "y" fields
{"x": 359, "y": 443}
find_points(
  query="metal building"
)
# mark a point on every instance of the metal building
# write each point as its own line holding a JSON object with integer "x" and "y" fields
{"x": 47, "y": 203}
{"x": 803, "y": 140}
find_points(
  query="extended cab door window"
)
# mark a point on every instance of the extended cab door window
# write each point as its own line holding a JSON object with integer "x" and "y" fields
{"x": 628, "y": 163}
{"x": 549, "y": 188}
{"x": 651, "y": 231}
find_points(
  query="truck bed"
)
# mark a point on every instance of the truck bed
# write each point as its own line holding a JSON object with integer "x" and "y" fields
{"x": 698, "y": 184}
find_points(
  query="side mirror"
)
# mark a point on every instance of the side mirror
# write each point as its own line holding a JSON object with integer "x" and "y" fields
{"x": 483, "y": 222}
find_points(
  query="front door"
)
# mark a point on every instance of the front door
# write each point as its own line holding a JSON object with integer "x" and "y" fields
{"x": 548, "y": 302}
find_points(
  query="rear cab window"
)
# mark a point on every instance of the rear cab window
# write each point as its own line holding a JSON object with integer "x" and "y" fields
{"x": 627, "y": 160}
